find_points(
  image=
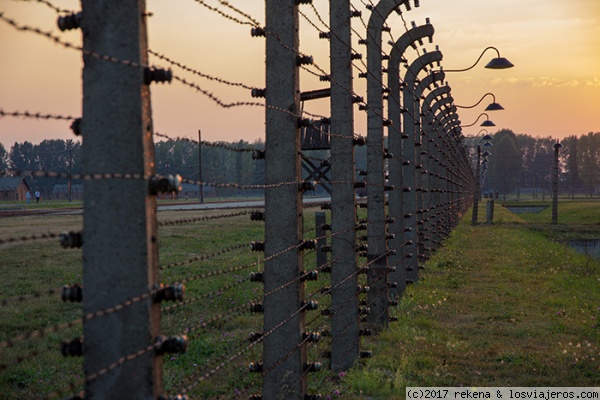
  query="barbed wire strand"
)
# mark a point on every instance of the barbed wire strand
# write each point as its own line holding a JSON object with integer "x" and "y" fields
{"x": 46, "y": 3}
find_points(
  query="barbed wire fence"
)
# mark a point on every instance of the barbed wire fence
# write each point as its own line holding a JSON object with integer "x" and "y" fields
{"x": 304, "y": 318}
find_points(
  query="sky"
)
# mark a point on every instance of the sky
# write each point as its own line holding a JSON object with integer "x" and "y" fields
{"x": 553, "y": 90}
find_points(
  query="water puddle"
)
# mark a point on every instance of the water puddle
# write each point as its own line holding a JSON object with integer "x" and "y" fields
{"x": 525, "y": 209}
{"x": 590, "y": 247}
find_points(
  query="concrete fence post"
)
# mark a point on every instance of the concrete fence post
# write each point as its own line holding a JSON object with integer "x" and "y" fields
{"x": 377, "y": 252}
{"x": 489, "y": 211}
{"x": 120, "y": 252}
{"x": 424, "y": 151}
{"x": 395, "y": 164}
{"x": 320, "y": 221}
{"x": 345, "y": 344}
{"x": 283, "y": 360}
{"x": 411, "y": 153}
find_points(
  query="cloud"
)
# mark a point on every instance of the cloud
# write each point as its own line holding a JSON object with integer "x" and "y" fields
{"x": 593, "y": 82}
{"x": 545, "y": 81}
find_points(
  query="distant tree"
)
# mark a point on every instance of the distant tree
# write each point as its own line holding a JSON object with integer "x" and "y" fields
{"x": 588, "y": 158}
{"x": 258, "y": 166}
{"x": 22, "y": 157}
{"x": 541, "y": 168}
{"x": 569, "y": 154}
{"x": 3, "y": 157}
{"x": 527, "y": 145}
{"x": 505, "y": 163}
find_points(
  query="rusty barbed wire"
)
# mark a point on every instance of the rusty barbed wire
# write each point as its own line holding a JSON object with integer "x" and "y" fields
{"x": 287, "y": 355}
{"x": 194, "y": 86}
{"x": 184, "y": 221}
{"x": 310, "y": 21}
{"x": 36, "y": 295}
{"x": 39, "y": 333}
{"x": 237, "y": 10}
{"x": 251, "y": 22}
{"x": 198, "y": 73}
{"x": 65, "y": 325}
{"x": 46, "y": 3}
{"x": 118, "y": 363}
{"x": 134, "y": 176}
{"x": 69, "y": 45}
{"x": 65, "y": 175}
{"x": 72, "y": 387}
{"x": 240, "y": 350}
{"x": 32, "y": 237}
{"x": 222, "y": 145}
{"x": 32, "y": 354}
{"x": 214, "y": 98}
{"x": 234, "y": 313}
{"x": 205, "y": 257}
{"x": 35, "y": 115}
{"x": 215, "y": 293}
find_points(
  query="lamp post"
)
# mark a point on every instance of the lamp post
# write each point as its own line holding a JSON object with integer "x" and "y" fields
{"x": 493, "y": 106}
{"x": 487, "y": 137}
{"x": 487, "y": 121}
{"x": 495, "y": 63}
{"x": 557, "y": 146}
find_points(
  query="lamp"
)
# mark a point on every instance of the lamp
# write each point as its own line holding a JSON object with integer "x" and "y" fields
{"x": 487, "y": 121}
{"x": 495, "y": 63}
{"x": 481, "y": 167}
{"x": 557, "y": 146}
{"x": 491, "y": 107}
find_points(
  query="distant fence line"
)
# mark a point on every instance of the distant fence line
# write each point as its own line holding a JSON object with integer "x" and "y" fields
{"x": 417, "y": 188}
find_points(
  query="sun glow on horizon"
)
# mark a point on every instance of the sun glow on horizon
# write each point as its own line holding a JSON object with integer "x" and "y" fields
{"x": 554, "y": 88}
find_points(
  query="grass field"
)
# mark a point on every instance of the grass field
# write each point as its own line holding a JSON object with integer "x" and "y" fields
{"x": 498, "y": 305}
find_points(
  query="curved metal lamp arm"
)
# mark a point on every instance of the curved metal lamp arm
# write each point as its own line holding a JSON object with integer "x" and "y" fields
{"x": 477, "y": 120}
{"x": 480, "y": 100}
{"x": 476, "y": 62}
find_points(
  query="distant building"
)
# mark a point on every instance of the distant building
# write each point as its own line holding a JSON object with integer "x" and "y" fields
{"x": 13, "y": 188}
{"x": 61, "y": 192}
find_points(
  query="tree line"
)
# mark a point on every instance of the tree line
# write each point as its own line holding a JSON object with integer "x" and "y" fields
{"x": 518, "y": 163}
{"x": 523, "y": 163}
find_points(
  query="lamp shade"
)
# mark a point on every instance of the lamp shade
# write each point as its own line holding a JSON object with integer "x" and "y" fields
{"x": 499, "y": 63}
{"x": 487, "y": 123}
{"x": 494, "y": 107}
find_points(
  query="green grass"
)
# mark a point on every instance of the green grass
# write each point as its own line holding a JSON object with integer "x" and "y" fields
{"x": 498, "y": 305}
{"x": 41, "y": 266}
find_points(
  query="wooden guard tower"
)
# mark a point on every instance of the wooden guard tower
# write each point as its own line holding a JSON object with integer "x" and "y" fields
{"x": 316, "y": 137}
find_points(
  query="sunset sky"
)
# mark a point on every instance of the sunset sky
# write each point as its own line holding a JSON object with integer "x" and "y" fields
{"x": 553, "y": 90}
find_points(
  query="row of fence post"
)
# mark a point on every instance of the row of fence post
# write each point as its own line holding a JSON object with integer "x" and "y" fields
{"x": 416, "y": 190}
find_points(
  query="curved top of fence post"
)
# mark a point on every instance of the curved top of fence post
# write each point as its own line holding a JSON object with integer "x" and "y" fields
{"x": 430, "y": 79}
{"x": 408, "y": 39}
{"x": 448, "y": 115}
{"x": 436, "y": 105}
{"x": 379, "y": 14}
{"x": 421, "y": 63}
{"x": 396, "y": 57}
{"x": 437, "y": 92}
{"x": 434, "y": 101}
